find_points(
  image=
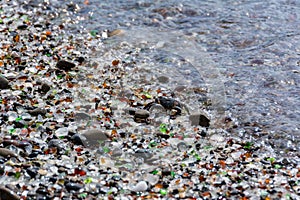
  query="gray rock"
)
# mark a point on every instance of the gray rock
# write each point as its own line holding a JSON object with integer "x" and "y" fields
{"x": 82, "y": 116}
{"x": 199, "y": 119}
{"x": 163, "y": 79}
{"x": 141, "y": 114}
{"x": 92, "y": 138}
{"x": 4, "y": 83}
{"x": 37, "y": 111}
{"x": 7, "y": 153}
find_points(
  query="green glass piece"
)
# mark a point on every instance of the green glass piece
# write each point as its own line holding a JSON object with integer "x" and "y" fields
{"x": 163, "y": 191}
{"x": 163, "y": 128}
{"x": 88, "y": 180}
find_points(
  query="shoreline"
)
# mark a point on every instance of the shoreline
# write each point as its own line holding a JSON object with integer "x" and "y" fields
{"x": 49, "y": 91}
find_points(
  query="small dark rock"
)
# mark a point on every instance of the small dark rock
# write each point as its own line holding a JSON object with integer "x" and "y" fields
{"x": 4, "y": 84}
{"x": 163, "y": 79}
{"x": 77, "y": 139}
{"x": 161, "y": 135}
{"x": 7, "y": 194}
{"x": 32, "y": 172}
{"x": 37, "y": 111}
{"x": 65, "y": 65}
{"x": 73, "y": 186}
{"x": 199, "y": 119}
{"x": 203, "y": 133}
{"x": 80, "y": 59}
{"x": 45, "y": 87}
{"x": 22, "y": 27}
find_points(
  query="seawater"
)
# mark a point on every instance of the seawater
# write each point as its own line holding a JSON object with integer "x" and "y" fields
{"x": 245, "y": 52}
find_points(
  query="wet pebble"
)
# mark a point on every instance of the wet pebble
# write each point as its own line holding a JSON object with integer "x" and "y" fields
{"x": 4, "y": 83}
{"x": 82, "y": 116}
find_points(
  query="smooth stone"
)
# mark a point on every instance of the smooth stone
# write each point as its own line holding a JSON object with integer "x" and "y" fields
{"x": 199, "y": 119}
{"x": 37, "y": 111}
{"x": 7, "y": 153}
{"x": 7, "y": 194}
{"x": 141, "y": 114}
{"x": 73, "y": 186}
{"x": 65, "y": 65}
{"x": 115, "y": 32}
{"x": 82, "y": 116}
{"x": 140, "y": 187}
{"x": 77, "y": 139}
{"x": 45, "y": 87}
{"x": 4, "y": 83}
{"x": 93, "y": 137}
{"x": 163, "y": 79}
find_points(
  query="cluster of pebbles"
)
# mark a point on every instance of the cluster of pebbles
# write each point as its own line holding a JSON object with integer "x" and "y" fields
{"x": 72, "y": 128}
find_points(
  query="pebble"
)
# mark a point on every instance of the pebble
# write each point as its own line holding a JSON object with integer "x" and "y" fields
{"x": 199, "y": 119}
{"x": 65, "y": 65}
{"x": 82, "y": 116}
{"x": 37, "y": 111}
{"x": 4, "y": 83}
{"x": 140, "y": 187}
{"x": 145, "y": 161}
{"x": 7, "y": 194}
{"x": 77, "y": 139}
{"x": 7, "y": 153}
{"x": 73, "y": 186}
{"x": 141, "y": 114}
{"x": 115, "y": 32}
{"x": 45, "y": 87}
{"x": 93, "y": 137}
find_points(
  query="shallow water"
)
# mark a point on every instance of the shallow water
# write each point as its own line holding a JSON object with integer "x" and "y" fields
{"x": 245, "y": 52}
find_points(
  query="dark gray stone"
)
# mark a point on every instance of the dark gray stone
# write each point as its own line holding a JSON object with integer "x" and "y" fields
{"x": 92, "y": 138}
{"x": 141, "y": 114}
{"x": 45, "y": 88}
{"x": 7, "y": 194}
{"x": 4, "y": 83}
{"x": 199, "y": 119}
{"x": 37, "y": 111}
{"x": 65, "y": 65}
